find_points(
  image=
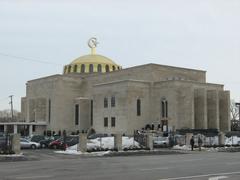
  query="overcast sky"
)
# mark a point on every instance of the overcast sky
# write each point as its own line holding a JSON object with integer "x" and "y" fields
{"x": 199, "y": 34}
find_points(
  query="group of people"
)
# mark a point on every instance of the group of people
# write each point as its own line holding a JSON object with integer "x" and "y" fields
{"x": 192, "y": 142}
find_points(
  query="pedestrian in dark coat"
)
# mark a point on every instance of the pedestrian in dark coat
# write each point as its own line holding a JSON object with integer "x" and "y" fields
{"x": 192, "y": 142}
{"x": 199, "y": 143}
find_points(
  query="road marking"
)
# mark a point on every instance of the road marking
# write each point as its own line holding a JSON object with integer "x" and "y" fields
{"x": 32, "y": 177}
{"x": 204, "y": 175}
{"x": 151, "y": 169}
{"x": 217, "y": 178}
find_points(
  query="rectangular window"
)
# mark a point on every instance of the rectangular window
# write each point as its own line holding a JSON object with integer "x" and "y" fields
{"x": 166, "y": 105}
{"x": 113, "y": 121}
{"x": 105, "y": 102}
{"x": 33, "y": 128}
{"x": 76, "y": 114}
{"x": 105, "y": 122}
{"x": 138, "y": 107}
{"x": 91, "y": 115}
{"x": 113, "y": 101}
{"x": 163, "y": 109}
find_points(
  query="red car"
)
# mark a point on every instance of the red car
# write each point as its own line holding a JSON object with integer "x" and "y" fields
{"x": 59, "y": 144}
{"x": 56, "y": 144}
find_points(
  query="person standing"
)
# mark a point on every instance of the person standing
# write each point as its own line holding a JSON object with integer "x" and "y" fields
{"x": 192, "y": 142}
{"x": 199, "y": 143}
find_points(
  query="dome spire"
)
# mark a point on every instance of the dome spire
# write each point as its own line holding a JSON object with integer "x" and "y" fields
{"x": 92, "y": 43}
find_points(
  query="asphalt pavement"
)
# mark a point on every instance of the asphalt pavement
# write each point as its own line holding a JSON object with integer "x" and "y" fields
{"x": 47, "y": 165}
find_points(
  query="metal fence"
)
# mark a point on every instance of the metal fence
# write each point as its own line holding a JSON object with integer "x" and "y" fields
{"x": 141, "y": 139}
{"x": 5, "y": 144}
{"x": 207, "y": 141}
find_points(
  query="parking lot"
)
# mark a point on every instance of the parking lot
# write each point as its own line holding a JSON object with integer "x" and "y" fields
{"x": 45, "y": 154}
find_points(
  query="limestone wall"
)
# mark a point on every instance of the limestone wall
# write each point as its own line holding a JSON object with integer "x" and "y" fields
{"x": 59, "y": 92}
{"x": 84, "y": 114}
{"x": 150, "y": 72}
{"x": 224, "y": 110}
{"x": 213, "y": 109}
{"x": 200, "y": 108}
{"x": 119, "y": 91}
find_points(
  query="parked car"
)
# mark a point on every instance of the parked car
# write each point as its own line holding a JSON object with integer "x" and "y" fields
{"x": 160, "y": 141}
{"x": 94, "y": 136}
{"x": 1, "y": 134}
{"x": 45, "y": 143}
{"x": 2, "y": 142}
{"x": 24, "y": 143}
{"x": 59, "y": 144}
{"x": 55, "y": 144}
{"x": 72, "y": 140}
{"x": 37, "y": 138}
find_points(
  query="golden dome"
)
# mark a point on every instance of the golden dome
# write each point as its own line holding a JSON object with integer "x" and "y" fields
{"x": 91, "y": 63}
{"x": 93, "y": 58}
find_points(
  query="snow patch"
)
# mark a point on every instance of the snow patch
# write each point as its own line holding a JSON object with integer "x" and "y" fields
{"x": 11, "y": 155}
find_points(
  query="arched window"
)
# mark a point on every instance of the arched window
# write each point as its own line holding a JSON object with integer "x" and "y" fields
{"x": 82, "y": 68}
{"x": 90, "y": 68}
{"x": 113, "y": 68}
{"x": 99, "y": 68}
{"x": 69, "y": 69}
{"x": 164, "y": 107}
{"x": 75, "y": 68}
{"x": 107, "y": 68}
{"x": 138, "y": 107}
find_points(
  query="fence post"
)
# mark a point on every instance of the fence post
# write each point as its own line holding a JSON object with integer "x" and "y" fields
{"x": 118, "y": 142}
{"x": 15, "y": 142}
{"x": 82, "y": 146}
{"x": 150, "y": 141}
{"x": 221, "y": 138}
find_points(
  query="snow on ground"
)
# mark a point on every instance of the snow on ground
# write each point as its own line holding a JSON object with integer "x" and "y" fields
{"x": 184, "y": 147}
{"x": 104, "y": 142}
{"x": 108, "y": 143}
{"x": 69, "y": 151}
{"x": 75, "y": 152}
{"x": 11, "y": 155}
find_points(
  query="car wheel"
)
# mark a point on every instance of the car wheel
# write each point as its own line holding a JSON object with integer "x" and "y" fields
{"x": 43, "y": 146}
{"x": 33, "y": 146}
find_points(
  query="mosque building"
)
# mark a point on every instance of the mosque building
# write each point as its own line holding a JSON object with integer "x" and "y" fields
{"x": 95, "y": 92}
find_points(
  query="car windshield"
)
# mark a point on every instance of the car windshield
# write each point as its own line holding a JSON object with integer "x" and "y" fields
{"x": 24, "y": 140}
{"x": 160, "y": 138}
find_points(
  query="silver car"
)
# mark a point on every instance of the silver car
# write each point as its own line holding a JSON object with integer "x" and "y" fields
{"x": 159, "y": 140}
{"x": 24, "y": 143}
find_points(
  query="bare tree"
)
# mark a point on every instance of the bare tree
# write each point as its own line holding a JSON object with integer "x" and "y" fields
{"x": 234, "y": 110}
{"x": 6, "y": 115}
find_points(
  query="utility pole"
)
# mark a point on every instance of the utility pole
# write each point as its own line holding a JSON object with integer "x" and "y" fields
{"x": 11, "y": 102}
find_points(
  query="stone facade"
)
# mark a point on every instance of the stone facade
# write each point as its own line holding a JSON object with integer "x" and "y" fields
{"x": 136, "y": 96}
